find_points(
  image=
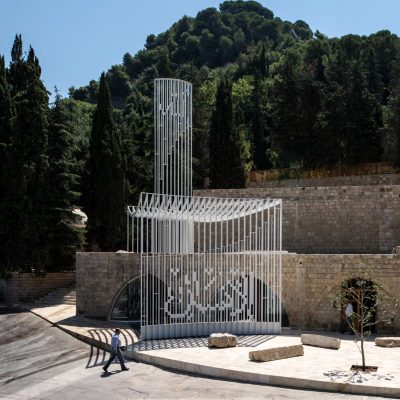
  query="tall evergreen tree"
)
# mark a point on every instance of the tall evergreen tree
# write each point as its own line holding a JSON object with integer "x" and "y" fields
{"x": 104, "y": 188}
{"x": 258, "y": 125}
{"x": 6, "y": 117}
{"x": 361, "y": 134}
{"x": 24, "y": 217}
{"x": 226, "y": 163}
{"x": 64, "y": 236}
{"x": 295, "y": 105}
{"x": 392, "y": 126}
{"x": 201, "y": 125}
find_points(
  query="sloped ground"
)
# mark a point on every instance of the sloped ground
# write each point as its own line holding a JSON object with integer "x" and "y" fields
{"x": 29, "y": 345}
{"x": 318, "y": 369}
{"x": 39, "y": 361}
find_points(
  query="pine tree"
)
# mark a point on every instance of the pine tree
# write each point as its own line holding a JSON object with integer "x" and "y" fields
{"x": 164, "y": 64}
{"x": 104, "y": 187}
{"x": 226, "y": 163}
{"x": 24, "y": 217}
{"x": 65, "y": 236}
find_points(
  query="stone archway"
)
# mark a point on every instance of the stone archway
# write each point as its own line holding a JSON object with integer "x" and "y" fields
{"x": 357, "y": 301}
{"x": 126, "y": 306}
{"x": 262, "y": 306}
{"x": 127, "y": 303}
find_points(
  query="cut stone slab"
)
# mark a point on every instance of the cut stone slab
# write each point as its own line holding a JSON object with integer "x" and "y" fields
{"x": 277, "y": 353}
{"x": 326, "y": 342}
{"x": 388, "y": 341}
{"x": 222, "y": 340}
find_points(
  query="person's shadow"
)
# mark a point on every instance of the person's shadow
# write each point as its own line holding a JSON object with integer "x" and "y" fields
{"x": 108, "y": 373}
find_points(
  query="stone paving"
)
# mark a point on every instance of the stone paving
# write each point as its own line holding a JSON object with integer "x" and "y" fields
{"x": 319, "y": 369}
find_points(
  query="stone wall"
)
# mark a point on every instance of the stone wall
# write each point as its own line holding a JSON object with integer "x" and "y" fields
{"x": 335, "y": 171}
{"x": 26, "y": 286}
{"x": 99, "y": 279}
{"x": 342, "y": 219}
{"x": 309, "y": 282}
{"x": 361, "y": 180}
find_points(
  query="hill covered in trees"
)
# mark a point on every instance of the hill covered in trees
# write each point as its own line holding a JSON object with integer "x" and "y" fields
{"x": 266, "y": 93}
{"x": 299, "y": 98}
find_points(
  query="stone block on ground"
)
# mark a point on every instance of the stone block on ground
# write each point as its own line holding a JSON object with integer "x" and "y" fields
{"x": 326, "y": 342}
{"x": 222, "y": 340}
{"x": 388, "y": 341}
{"x": 277, "y": 353}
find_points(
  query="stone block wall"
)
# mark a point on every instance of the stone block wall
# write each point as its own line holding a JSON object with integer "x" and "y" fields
{"x": 341, "y": 219}
{"x": 310, "y": 282}
{"x": 360, "y": 180}
{"x": 99, "y": 279}
{"x": 26, "y": 286}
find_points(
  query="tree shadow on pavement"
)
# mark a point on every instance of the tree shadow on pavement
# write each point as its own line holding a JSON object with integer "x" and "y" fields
{"x": 357, "y": 376}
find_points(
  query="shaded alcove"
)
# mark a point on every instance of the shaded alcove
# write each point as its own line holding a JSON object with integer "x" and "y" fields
{"x": 355, "y": 300}
{"x": 127, "y": 304}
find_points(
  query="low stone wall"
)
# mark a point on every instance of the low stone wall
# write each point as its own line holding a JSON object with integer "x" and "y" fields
{"x": 340, "y": 220}
{"x": 309, "y": 283}
{"x": 26, "y": 286}
{"x": 337, "y": 171}
{"x": 361, "y": 180}
{"x": 99, "y": 279}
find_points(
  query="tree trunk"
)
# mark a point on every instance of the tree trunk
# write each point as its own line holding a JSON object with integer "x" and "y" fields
{"x": 362, "y": 329}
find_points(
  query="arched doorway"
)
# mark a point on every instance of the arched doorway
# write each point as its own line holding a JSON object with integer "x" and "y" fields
{"x": 251, "y": 298}
{"x": 361, "y": 294}
{"x": 127, "y": 305}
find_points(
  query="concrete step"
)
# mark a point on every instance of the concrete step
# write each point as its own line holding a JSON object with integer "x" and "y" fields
{"x": 59, "y": 296}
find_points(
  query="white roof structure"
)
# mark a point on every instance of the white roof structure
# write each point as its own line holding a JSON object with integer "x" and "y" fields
{"x": 208, "y": 264}
{"x": 198, "y": 209}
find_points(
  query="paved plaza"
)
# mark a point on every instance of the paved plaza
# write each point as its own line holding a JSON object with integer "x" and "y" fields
{"x": 39, "y": 361}
{"x": 319, "y": 369}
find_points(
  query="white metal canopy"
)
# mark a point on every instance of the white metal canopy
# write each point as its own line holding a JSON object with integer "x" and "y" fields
{"x": 208, "y": 264}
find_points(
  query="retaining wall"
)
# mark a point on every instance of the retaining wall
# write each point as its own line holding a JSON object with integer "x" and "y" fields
{"x": 99, "y": 279}
{"x": 26, "y": 286}
{"x": 341, "y": 219}
{"x": 361, "y": 180}
{"x": 309, "y": 283}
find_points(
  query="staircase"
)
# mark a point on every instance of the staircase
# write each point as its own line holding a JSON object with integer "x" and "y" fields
{"x": 59, "y": 296}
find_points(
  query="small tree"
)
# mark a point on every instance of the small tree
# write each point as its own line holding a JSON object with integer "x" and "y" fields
{"x": 370, "y": 305}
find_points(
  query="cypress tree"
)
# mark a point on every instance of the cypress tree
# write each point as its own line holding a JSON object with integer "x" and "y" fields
{"x": 226, "y": 163}
{"x": 65, "y": 236}
{"x": 6, "y": 116}
{"x": 258, "y": 126}
{"x": 24, "y": 217}
{"x": 104, "y": 183}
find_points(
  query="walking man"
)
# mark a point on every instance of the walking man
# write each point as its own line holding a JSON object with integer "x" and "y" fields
{"x": 116, "y": 352}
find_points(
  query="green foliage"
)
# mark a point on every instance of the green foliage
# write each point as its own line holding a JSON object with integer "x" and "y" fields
{"x": 226, "y": 163}
{"x": 65, "y": 237}
{"x": 104, "y": 186}
{"x": 7, "y": 113}
{"x": 23, "y": 216}
{"x": 391, "y": 116}
{"x": 314, "y": 101}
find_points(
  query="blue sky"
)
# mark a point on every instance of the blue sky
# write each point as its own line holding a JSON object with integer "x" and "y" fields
{"x": 76, "y": 40}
